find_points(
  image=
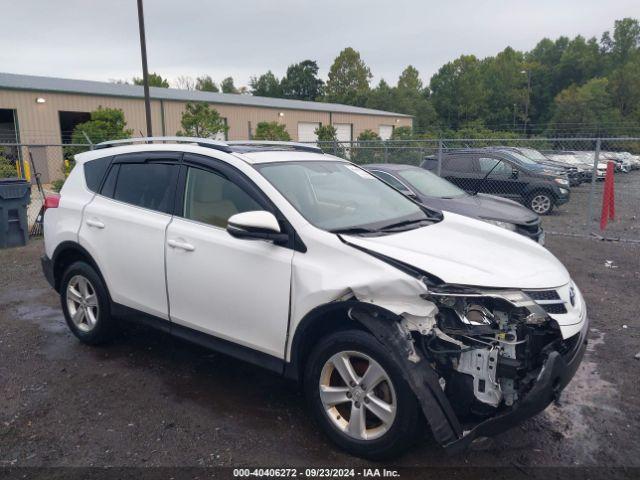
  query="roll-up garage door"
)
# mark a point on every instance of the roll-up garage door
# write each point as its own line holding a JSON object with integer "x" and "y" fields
{"x": 307, "y": 131}
{"x": 386, "y": 131}
{"x": 343, "y": 132}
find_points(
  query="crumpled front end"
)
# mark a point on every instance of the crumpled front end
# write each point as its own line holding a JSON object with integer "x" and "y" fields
{"x": 482, "y": 360}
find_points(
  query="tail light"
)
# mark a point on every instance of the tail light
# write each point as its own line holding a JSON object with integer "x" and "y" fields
{"x": 51, "y": 201}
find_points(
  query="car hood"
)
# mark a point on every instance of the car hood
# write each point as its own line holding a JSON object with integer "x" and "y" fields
{"x": 465, "y": 251}
{"x": 484, "y": 206}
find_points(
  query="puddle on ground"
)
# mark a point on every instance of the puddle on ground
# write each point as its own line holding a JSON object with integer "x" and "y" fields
{"x": 587, "y": 393}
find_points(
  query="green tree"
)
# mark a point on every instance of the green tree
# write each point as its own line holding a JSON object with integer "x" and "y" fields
{"x": 155, "y": 80}
{"x": 624, "y": 87}
{"x": 266, "y": 85}
{"x": 369, "y": 148}
{"x": 206, "y": 84}
{"x": 625, "y": 41}
{"x": 200, "y": 120}
{"x": 402, "y": 133}
{"x": 586, "y": 110}
{"x": 227, "y": 86}
{"x": 457, "y": 91}
{"x": 504, "y": 82}
{"x": 326, "y": 133}
{"x": 271, "y": 131}
{"x": 348, "y": 81}
{"x": 368, "y": 135}
{"x": 382, "y": 97}
{"x": 410, "y": 97}
{"x": 301, "y": 81}
{"x": 104, "y": 124}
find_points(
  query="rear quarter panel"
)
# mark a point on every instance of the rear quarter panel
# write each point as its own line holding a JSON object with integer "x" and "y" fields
{"x": 63, "y": 223}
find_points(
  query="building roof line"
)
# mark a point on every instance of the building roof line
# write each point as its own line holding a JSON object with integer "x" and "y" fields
{"x": 91, "y": 87}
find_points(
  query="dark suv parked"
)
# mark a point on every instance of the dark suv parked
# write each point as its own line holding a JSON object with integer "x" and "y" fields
{"x": 499, "y": 172}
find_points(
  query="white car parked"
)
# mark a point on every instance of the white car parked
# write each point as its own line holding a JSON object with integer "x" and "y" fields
{"x": 387, "y": 312}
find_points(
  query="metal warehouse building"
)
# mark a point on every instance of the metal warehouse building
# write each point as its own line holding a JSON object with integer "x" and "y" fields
{"x": 44, "y": 111}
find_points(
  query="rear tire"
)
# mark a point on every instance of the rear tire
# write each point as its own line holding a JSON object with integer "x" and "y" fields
{"x": 387, "y": 414}
{"x": 541, "y": 202}
{"x": 86, "y": 304}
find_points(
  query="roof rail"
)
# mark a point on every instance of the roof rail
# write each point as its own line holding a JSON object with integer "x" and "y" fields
{"x": 202, "y": 142}
{"x": 302, "y": 147}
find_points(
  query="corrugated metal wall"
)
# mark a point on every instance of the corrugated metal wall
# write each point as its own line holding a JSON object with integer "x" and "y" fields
{"x": 39, "y": 122}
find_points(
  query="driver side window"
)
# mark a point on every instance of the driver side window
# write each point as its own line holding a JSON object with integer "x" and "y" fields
{"x": 487, "y": 165}
{"x": 211, "y": 198}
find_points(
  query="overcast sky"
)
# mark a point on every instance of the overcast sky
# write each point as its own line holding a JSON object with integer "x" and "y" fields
{"x": 98, "y": 40}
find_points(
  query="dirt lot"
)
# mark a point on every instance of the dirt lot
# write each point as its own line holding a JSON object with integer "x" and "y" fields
{"x": 572, "y": 217}
{"x": 149, "y": 400}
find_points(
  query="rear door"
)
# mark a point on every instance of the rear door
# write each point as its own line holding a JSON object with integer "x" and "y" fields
{"x": 462, "y": 170}
{"x": 123, "y": 228}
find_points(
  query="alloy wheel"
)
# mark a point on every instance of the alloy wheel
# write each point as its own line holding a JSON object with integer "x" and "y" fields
{"x": 541, "y": 204}
{"x": 82, "y": 303}
{"x": 357, "y": 395}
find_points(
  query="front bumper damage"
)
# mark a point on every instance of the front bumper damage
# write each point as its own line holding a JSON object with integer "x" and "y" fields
{"x": 557, "y": 369}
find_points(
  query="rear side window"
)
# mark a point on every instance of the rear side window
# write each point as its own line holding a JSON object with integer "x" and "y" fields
{"x": 147, "y": 185}
{"x": 94, "y": 170}
{"x": 459, "y": 164}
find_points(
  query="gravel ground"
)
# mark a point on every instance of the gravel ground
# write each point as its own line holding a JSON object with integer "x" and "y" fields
{"x": 149, "y": 400}
{"x": 572, "y": 217}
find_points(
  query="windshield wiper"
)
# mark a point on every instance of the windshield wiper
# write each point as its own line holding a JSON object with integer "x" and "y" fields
{"x": 404, "y": 223}
{"x": 352, "y": 230}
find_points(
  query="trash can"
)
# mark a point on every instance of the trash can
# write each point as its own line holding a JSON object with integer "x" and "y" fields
{"x": 15, "y": 195}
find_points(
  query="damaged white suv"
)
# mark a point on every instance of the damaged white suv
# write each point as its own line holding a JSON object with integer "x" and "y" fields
{"x": 388, "y": 313}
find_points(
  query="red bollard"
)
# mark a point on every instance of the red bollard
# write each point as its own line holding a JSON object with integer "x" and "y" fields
{"x": 608, "y": 198}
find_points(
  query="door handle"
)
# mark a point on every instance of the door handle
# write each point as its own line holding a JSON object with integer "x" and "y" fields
{"x": 94, "y": 223}
{"x": 181, "y": 244}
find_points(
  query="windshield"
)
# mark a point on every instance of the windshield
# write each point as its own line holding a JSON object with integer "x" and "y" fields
{"x": 533, "y": 154}
{"x": 431, "y": 185}
{"x": 338, "y": 196}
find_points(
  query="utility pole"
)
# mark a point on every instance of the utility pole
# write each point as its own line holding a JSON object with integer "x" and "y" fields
{"x": 145, "y": 70}
{"x": 526, "y": 105}
{"x": 514, "y": 117}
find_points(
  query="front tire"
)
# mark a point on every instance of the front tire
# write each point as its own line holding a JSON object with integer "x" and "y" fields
{"x": 359, "y": 398}
{"x": 86, "y": 305}
{"x": 541, "y": 202}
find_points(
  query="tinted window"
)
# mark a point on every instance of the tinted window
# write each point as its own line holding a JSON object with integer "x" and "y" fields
{"x": 430, "y": 184}
{"x": 94, "y": 171}
{"x": 110, "y": 182}
{"x": 390, "y": 179}
{"x": 487, "y": 164}
{"x": 147, "y": 185}
{"x": 211, "y": 198}
{"x": 459, "y": 164}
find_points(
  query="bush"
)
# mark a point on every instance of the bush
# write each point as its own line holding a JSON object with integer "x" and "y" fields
{"x": 56, "y": 185}
{"x": 271, "y": 131}
{"x": 7, "y": 168}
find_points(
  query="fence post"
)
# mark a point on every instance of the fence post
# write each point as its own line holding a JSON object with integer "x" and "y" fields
{"x": 386, "y": 152}
{"x": 88, "y": 140}
{"x": 439, "y": 158}
{"x": 335, "y": 147}
{"x": 592, "y": 192}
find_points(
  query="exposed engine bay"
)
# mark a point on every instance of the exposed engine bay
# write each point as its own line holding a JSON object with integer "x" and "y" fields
{"x": 487, "y": 347}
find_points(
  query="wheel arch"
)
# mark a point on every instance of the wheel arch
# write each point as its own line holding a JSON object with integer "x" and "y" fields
{"x": 319, "y": 322}
{"x": 67, "y": 253}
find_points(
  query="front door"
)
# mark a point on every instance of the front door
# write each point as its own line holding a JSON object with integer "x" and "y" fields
{"x": 234, "y": 289}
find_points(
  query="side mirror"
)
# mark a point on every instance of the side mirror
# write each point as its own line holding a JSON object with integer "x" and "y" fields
{"x": 515, "y": 173}
{"x": 256, "y": 225}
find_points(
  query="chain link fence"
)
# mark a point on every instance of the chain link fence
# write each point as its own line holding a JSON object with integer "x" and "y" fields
{"x": 561, "y": 179}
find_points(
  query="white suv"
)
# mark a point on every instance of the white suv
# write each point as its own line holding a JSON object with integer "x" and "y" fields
{"x": 387, "y": 312}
